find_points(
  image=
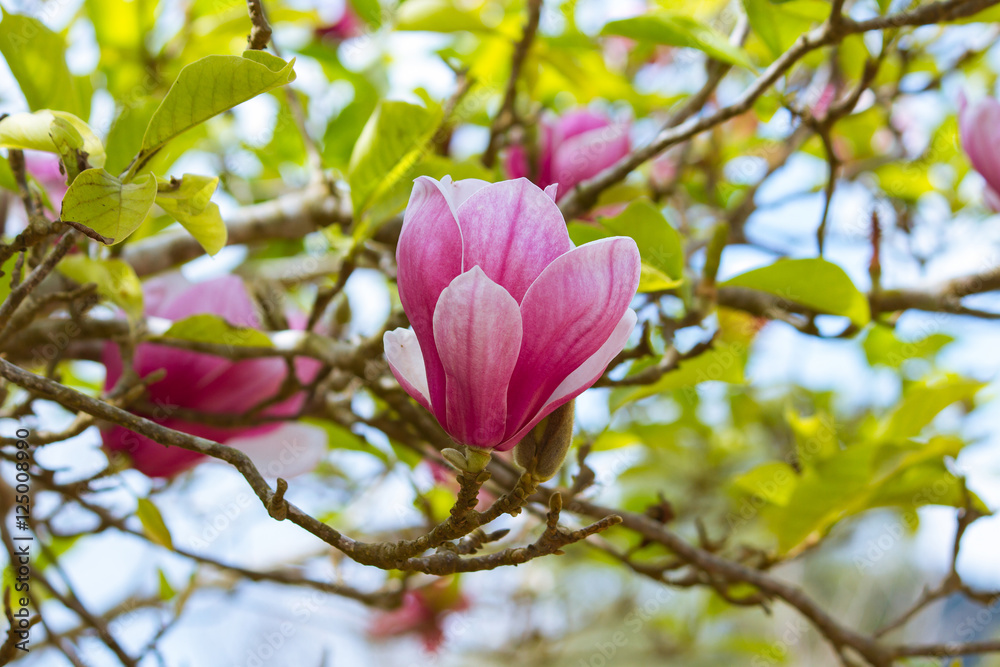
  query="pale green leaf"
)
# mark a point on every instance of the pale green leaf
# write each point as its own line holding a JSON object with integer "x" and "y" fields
{"x": 814, "y": 283}
{"x": 207, "y": 328}
{"x": 883, "y": 347}
{"x": 188, "y": 202}
{"x": 774, "y": 482}
{"x": 36, "y": 57}
{"x": 659, "y": 243}
{"x": 207, "y": 227}
{"x": 33, "y": 131}
{"x": 152, "y": 523}
{"x": 679, "y": 30}
{"x": 208, "y": 87}
{"x": 167, "y": 591}
{"x": 116, "y": 280}
{"x": 105, "y": 204}
{"x": 68, "y": 143}
{"x": 437, "y": 16}
{"x": 393, "y": 142}
{"x": 921, "y": 404}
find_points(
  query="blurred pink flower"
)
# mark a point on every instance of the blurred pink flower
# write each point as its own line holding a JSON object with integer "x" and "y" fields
{"x": 44, "y": 168}
{"x": 347, "y": 26}
{"x": 212, "y": 384}
{"x": 422, "y": 612}
{"x": 510, "y": 321}
{"x": 979, "y": 127}
{"x": 571, "y": 149}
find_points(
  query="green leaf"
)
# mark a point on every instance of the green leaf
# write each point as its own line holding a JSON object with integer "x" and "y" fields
{"x": 779, "y": 24}
{"x": 883, "y": 348}
{"x": 152, "y": 523}
{"x": 659, "y": 243}
{"x": 370, "y": 11}
{"x": 33, "y": 131}
{"x": 209, "y": 86}
{"x": 679, "y": 30}
{"x": 116, "y": 280}
{"x": 36, "y": 57}
{"x": 68, "y": 143}
{"x": 584, "y": 232}
{"x": 814, "y": 283}
{"x": 393, "y": 141}
{"x": 188, "y": 202}
{"x": 125, "y": 136}
{"x": 207, "y": 328}
{"x": 774, "y": 482}
{"x": 651, "y": 279}
{"x": 437, "y": 16}
{"x": 105, "y": 204}
{"x": 167, "y": 591}
{"x": 921, "y": 404}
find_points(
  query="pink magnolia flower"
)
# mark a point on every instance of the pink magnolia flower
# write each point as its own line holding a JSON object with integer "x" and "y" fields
{"x": 979, "y": 127}
{"x": 346, "y": 27}
{"x": 422, "y": 612}
{"x": 571, "y": 149}
{"x": 212, "y": 384}
{"x": 510, "y": 321}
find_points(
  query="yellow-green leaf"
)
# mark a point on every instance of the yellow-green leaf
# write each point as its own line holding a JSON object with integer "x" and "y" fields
{"x": 33, "y": 131}
{"x": 152, "y": 523}
{"x": 814, "y": 283}
{"x": 207, "y": 328}
{"x": 679, "y": 30}
{"x": 188, "y": 202}
{"x": 208, "y": 87}
{"x": 36, "y": 57}
{"x": 393, "y": 141}
{"x": 116, "y": 280}
{"x": 105, "y": 204}
{"x": 659, "y": 243}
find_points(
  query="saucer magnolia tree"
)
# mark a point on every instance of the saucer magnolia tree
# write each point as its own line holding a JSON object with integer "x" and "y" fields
{"x": 321, "y": 318}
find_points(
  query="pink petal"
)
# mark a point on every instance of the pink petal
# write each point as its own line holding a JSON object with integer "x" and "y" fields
{"x": 155, "y": 460}
{"x": 591, "y": 370}
{"x": 577, "y": 122}
{"x": 552, "y": 190}
{"x": 516, "y": 162}
{"x": 402, "y": 350}
{"x": 225, "y": 296}
{"x": 428, "y": 258}
{"x": 289, "y": 450}
{"x": 569, "y": 314}
{"x": 579, "y": 380}
{"x": 148, "y": 457}
{"x": 477, "y": 327}
{"x": 463, "y": 189}
{"x": 512, "y": 230}
{"x": 991, "y": 198}
{"x": 586, "y": 155}
{"x": 979, "y": 125}
{"x": 159, "y": 291}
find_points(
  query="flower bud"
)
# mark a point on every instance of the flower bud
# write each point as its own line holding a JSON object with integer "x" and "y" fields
{"x": 542, "y": 451}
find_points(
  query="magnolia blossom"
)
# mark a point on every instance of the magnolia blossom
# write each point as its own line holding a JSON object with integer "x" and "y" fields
{"x": 347, "y": 26}
{"x": 571, "y": 149}
{"x": 979, "y": 126}
{"x": 510, "y": 321}
{"x": 212, "y": 384}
